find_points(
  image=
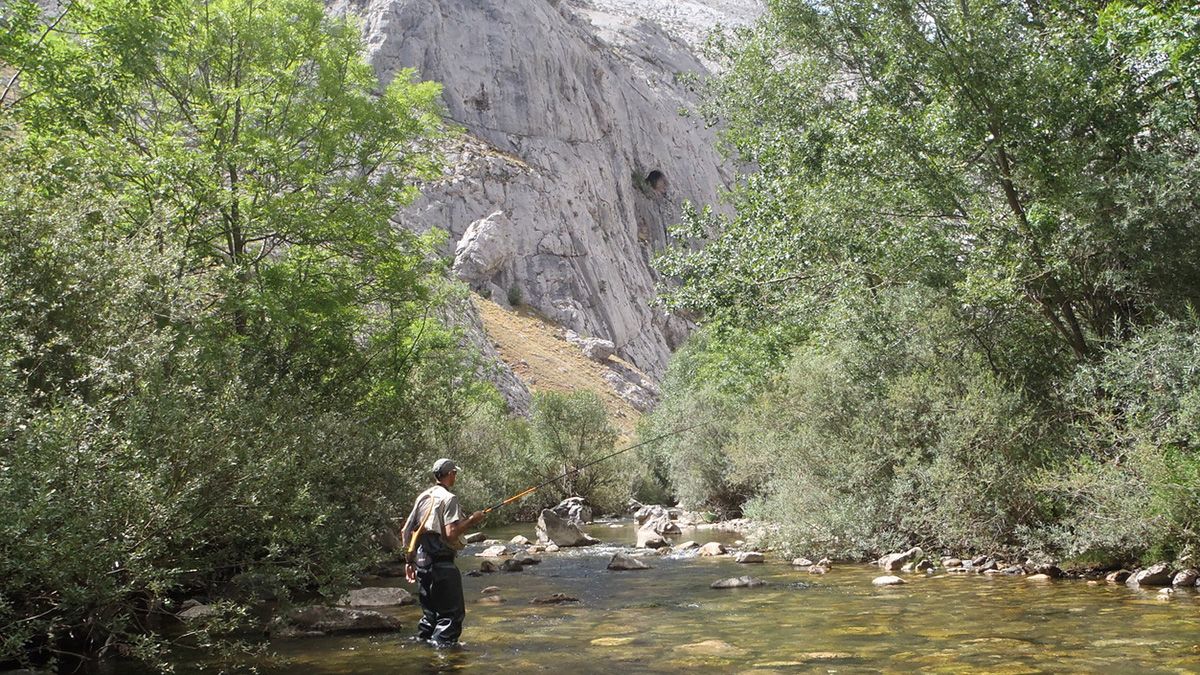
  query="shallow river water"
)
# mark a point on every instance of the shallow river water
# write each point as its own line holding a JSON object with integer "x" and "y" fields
{"x": 667, "y": 619}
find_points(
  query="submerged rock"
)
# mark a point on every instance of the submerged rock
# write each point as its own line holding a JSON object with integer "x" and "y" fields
{"x": 385, "y": 596}
{"x": 553, "y": 599}
{"x": 888, "y": 580}
{"x": 622, "y": 561}
{"x": 321, "y": 620}
{"x": 738, "y": 582}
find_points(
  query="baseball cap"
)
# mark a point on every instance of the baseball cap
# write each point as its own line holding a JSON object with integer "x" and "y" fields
{"x": 444, "y": 466}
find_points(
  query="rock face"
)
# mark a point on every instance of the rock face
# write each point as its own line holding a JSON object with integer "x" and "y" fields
{"x": 554, "y": 530}
{"x": 568, "y": 107}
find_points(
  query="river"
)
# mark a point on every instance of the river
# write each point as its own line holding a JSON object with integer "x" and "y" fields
{"x": 667, "y": 619}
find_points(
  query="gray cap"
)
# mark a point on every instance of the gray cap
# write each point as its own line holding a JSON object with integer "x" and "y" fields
{"x": 444, "y": 466}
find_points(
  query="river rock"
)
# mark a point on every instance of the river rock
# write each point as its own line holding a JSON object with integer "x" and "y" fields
{"x": 1039, "y": 577}
{"x": 551, "y": 548}
{"x": 888, "y": 580}
{"x": 1155, "y": 575}
{"x": 553, "y": 599}
{"x": 712, "y": 548}
{"x": 490, "y": 589}
{"x": 895, "y": 561}
{"x": 488, "y": 567}
{"x": 749, "y": 557}
{"x": 801, "y": 562}
{"x": 519, "y": 540}
{"x": 1049, "y": 569}
{"x": 493, "y": 599}
{"x": 526, "y": 559}
{"x": 650, "y": 512}
{"x": 377, "y": 596}
{"x": 1118, "y": 577}
{"x": 551, "y": 529}
{"x": 575, "y": 510}
{"x": 648, "y": 538}
{"x": 1166, "y": 593}
{"x": 818, "y": 569}
{"x": 712, "y": 648}
{"x": 686, "y": 545}
{"x": 1016, "y": 570}
{"x": 322, "y": 620}
{"x": 197, "y": 611}
{"x": 494, "y": 551}
{"x": 1185, "y": 577}
{"x": 475, "y": 537}
{"x": 951, "y": 562}
{"x": 738, "y": 582}
{"x": 511, "y": 565}
{"x": 622, "y": 561}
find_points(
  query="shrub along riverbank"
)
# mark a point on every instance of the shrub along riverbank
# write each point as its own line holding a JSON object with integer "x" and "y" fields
{"x": 956, "y": 307}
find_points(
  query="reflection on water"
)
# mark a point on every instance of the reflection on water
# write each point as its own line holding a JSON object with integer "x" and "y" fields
{"x": 667, "y": 619}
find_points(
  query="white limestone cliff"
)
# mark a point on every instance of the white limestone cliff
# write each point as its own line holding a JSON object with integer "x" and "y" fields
{"x": 567, "y": 106}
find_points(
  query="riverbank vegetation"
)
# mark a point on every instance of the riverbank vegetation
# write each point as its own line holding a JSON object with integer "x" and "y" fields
{"x": 957, "y": 304}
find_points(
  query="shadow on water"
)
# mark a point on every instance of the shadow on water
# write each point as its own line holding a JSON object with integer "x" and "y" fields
{"x": 667, "y": 619}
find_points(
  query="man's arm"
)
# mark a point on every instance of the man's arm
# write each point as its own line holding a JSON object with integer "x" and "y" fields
{"x": 458, "y": 528}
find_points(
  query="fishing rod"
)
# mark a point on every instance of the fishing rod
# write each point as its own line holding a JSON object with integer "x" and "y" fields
{"x": 535, "y": 488}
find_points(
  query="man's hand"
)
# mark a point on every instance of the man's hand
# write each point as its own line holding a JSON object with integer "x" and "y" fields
{"x": 410, "y": 573}
{"x": 476, "y": 517}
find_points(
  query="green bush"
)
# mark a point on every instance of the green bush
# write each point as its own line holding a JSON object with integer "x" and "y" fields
{"x": 1135, "y": 490}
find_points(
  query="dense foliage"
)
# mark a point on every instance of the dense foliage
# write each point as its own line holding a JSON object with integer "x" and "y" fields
{"x": 974, "y": 226}
{"x": 221, "y": 371}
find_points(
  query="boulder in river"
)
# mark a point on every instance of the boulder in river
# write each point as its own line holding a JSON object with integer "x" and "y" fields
{"x": 519, "y": 540}
{"x": 648, "y": 538}
{"x": 686, "y": 545}
{"x": 494, "y": 551}
{"x": 475, "y": 537}
{"x": 1158, "y": 574}
{"x": 801, "y": 562}
{"x": 749, "y": 557}
{"x": 321, "y": 620}
{"x": 554, "y": 530}
{"x": 377, "y": 596}
{"x": 888, "y": 580}
{"x": 712, "y": 548}
{"x": 622, "y": 561}
{"x": 575, "y": 510}
{"x": 895, "y": 561}
{"x": 738, "y": 582}
{"x": 1185, "y": 577}
{"x": 1118, "y": 577}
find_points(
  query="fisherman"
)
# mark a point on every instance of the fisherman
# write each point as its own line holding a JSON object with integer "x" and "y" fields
{"x": 432, "y": 536}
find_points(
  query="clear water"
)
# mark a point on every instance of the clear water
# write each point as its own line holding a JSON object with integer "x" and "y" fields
{"x": 667, "y": 619}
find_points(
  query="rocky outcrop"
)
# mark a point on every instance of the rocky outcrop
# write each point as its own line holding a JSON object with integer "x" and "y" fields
{"x": 568, "y": 108}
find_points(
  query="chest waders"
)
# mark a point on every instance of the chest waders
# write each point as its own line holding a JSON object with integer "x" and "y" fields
{"x": 439, "y": 585}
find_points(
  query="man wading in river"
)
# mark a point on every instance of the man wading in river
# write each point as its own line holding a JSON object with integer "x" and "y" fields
{"x": 432, "y": 536}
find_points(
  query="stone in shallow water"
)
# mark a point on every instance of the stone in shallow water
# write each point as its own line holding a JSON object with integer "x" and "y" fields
{"x": 321, "y": 620}
{"x": 749, "y": 557}
{"x": 711, "y": 648}
{"x": 475, "y": 537}
{"x": 612, "y": 641}
{"x": 553, "y": 599}
{"x": 490, "y": 589}
{"x": 494, "y": 551}
{"x": 621, "y": 561}
{"x": 738, "y": 582}
{"x": 888, "y": 580}
{"x": 380, "y": 596}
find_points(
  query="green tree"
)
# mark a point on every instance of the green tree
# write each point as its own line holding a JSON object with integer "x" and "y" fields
{"x": 567, "y": 431}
